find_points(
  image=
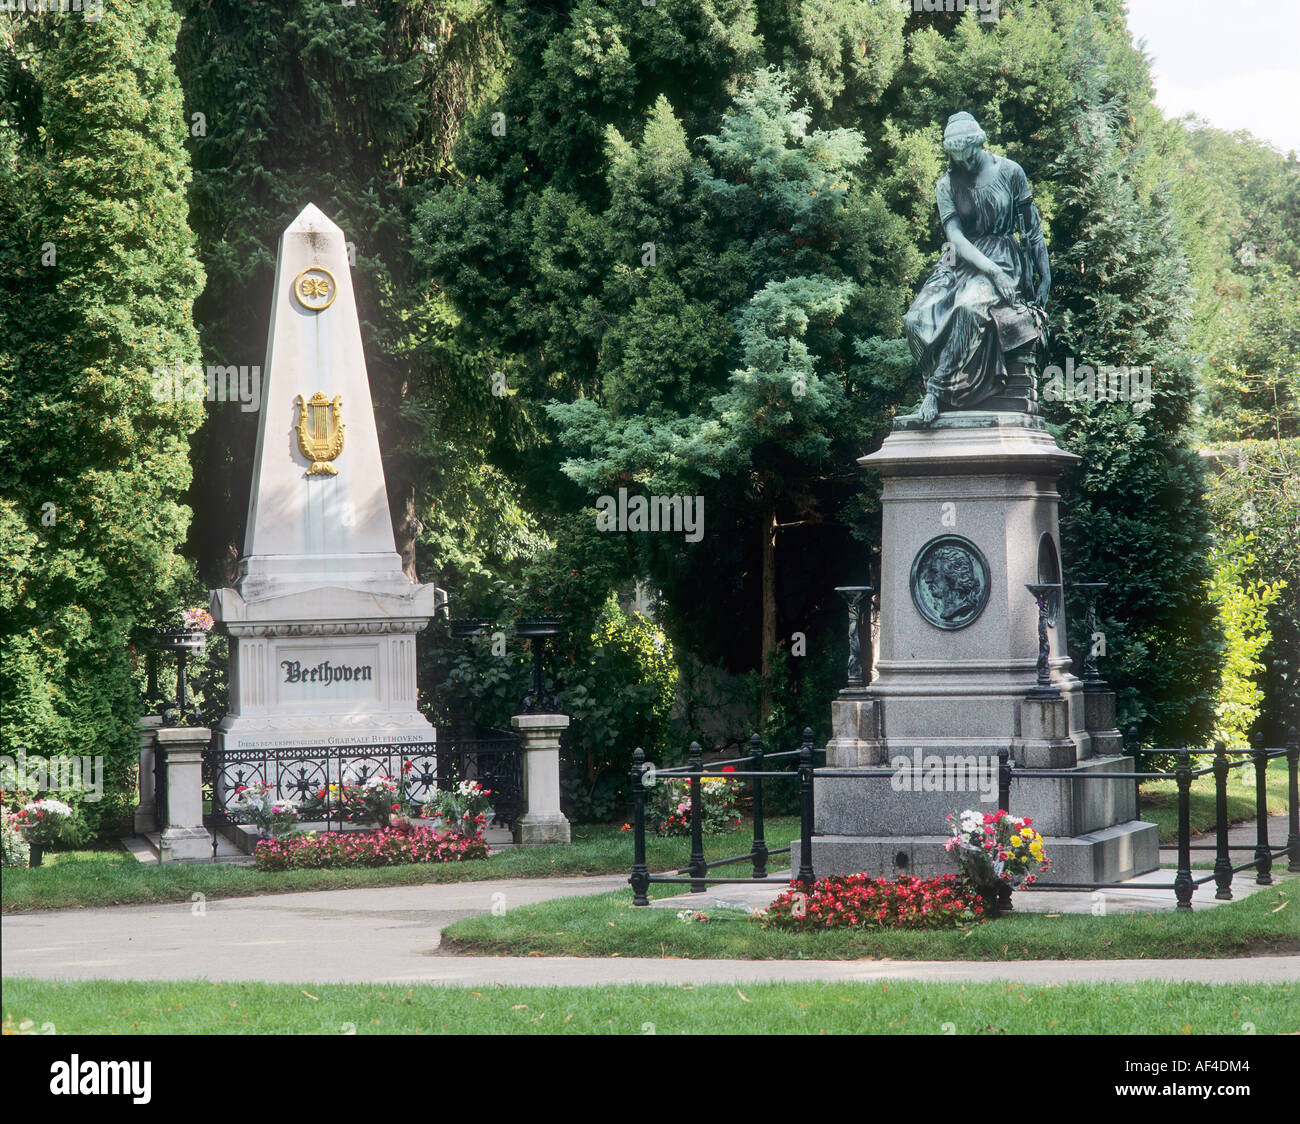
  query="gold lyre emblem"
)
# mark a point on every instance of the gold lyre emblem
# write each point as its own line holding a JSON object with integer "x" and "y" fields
{"x": 315, "y": 288}
{"x": 320, "y": 432}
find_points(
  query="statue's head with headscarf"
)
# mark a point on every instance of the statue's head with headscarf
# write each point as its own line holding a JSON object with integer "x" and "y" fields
{"x": 963, "y": 139}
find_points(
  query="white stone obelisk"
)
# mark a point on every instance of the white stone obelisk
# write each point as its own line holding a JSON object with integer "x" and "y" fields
{"x": 322, "y": 617}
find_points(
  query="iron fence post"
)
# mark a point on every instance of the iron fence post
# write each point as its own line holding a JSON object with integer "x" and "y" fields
{"x": 1222, "y": 863}
{"x": 1183, "y": 880}
{"x": 698, "y": 869}
{"x": 640, "y": 879}
{"x": 1004, "y": 779}
{"x": 1263, "y": 852}
{"x": 806, "y": 874}
{"x": 759, "y": 851}
{"x": 1293, "y": 800}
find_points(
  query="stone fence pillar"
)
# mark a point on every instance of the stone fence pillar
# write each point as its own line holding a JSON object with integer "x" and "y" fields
{"x": 542, "y": 821}
{"x": 146, "y": 812}
{"x": 184, "y": 836}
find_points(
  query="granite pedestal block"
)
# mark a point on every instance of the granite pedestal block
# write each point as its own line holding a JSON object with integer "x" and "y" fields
{"x": 542, "y": 821}
{"x": 855, "y": 732}
{"x": 952, "y": 689}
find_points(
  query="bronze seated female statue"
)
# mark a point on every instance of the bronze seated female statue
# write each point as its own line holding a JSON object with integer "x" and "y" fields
{"x": 978, "y": 327}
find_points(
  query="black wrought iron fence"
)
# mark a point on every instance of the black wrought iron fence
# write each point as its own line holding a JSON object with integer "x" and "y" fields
{"x": 317, "y": 777}
{"x": 695, "y": 772}
{"x": 696, "y": 872}
{"x": 1184, "y": 884}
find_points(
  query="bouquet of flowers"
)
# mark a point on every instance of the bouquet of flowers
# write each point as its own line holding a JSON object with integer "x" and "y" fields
{"x": 375, "y": 800}
{"x": 994, "y": 847}
{"x": 46, "y": 822}
{"x": 719, "y": 801}
{"x": 197, "y": 620}
{"x": 381, "y": 799}
{"x": 464, "y": 808}
{"x": 257, "y": 804}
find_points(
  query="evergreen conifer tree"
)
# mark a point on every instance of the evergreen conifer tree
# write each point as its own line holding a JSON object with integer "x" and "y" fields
{"x": 100, "y": 276}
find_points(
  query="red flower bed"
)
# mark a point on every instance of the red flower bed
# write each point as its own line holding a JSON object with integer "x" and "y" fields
{"x": 385, "y": 847}
{"x": 858, "y": 901}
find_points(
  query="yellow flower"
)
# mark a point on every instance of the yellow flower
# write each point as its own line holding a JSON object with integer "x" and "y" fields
{"x": 1015, "y": 841}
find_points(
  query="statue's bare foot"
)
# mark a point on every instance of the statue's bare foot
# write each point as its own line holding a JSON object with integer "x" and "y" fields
{"x": 929, "y": 409}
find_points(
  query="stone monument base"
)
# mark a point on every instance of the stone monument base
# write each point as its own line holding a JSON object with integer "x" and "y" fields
{"x": 1090, "y": 826}
{"x": 1110, "y": 854}
{"x": 973, "y": 662}
{"x": 534, "y": 829}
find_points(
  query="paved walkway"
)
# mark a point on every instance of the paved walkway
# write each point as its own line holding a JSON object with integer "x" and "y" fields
{"x": 391, "y": 935}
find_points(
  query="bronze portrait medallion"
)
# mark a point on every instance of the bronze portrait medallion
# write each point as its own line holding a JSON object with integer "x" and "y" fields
{"x": 950, "y": 582}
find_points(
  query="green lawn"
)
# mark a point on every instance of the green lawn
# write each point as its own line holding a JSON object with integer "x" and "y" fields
{"x": 103, "y": 877}
{"x": 1160, "y": 801}
{"x": 894, "y": 1007}
{"x": 609, "y": 925}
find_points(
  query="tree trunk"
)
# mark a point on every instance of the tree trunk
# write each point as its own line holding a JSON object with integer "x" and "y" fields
{"x": 769, "y": 606}
{"x": 406, "y": 527}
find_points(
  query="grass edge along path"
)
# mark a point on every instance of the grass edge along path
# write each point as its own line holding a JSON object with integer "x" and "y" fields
{"x": 1267, "y": 922}
{"x": 81, "y": 879}
{"x": 893, "y": 1007}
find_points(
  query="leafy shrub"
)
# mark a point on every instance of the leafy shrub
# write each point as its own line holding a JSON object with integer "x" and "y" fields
{"x": 616, "y": 683}
{"x": 618, "y": 698}
{"x": 1255, "y": 492}
{"x": 311, "y": 850}
{"x": 858, "y": 901}
{"x": 1243, "y": 603}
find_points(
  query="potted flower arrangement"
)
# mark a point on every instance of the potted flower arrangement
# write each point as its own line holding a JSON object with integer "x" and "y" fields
{"x": 719, "y": 800}
{"x": 995, "y": 850}
{"x": 464, "y": 808}
{"x": 45, "y": 823}
{"x": 256, "y": 804}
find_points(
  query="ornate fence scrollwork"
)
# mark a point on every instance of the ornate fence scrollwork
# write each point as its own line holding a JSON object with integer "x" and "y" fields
{"x": 304, "y": 774}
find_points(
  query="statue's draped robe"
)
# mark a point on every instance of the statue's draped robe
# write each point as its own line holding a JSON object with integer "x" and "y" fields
{"x": 958, "y": 330}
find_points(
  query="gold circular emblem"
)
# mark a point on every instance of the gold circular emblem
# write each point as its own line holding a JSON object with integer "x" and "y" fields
{"x": 315, "y": 288}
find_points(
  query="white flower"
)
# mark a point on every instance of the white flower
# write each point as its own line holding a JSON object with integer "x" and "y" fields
{"x": 49, "y": 807}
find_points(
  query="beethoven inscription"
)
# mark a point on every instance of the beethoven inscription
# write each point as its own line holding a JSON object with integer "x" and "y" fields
{"x": 337, "y": 676}
{"x": 325, "y": 673}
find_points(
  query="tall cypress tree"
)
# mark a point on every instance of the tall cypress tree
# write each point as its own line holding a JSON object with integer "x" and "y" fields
{"x": 1133, "y": 513}
{"x": 100, "y": 276}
